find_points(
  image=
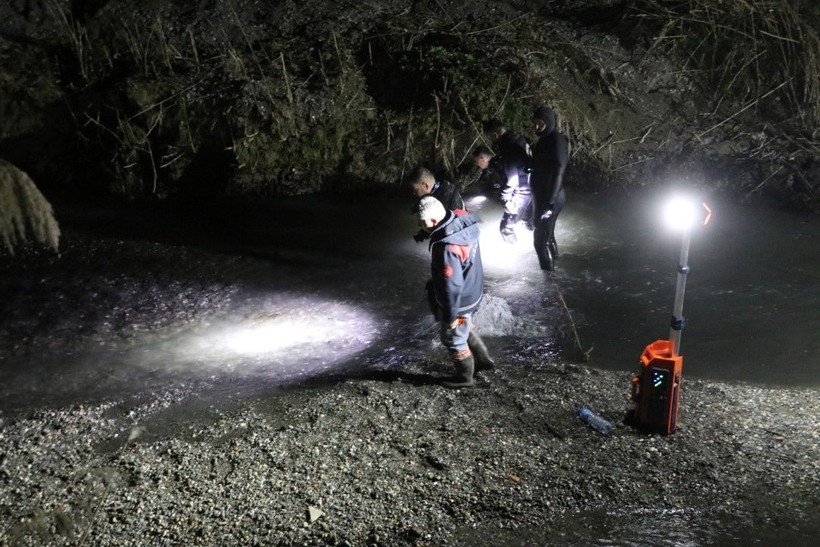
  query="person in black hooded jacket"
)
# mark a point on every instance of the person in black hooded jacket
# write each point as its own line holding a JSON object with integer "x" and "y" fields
{"x": 457, "y": 285}
{"x": 550, "y": 157}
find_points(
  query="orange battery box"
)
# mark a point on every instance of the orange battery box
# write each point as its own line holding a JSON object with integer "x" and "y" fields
{"x": 656, "y": 388}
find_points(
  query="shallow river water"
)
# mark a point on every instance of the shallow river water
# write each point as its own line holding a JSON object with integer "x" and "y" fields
{"x": 323, "y": 285}
{"x": 751, "y": 298}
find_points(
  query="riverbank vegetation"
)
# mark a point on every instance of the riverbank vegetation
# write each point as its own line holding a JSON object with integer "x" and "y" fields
{"x": 156, "y": 99}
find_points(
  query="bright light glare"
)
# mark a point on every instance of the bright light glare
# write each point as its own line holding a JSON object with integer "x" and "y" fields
{"x": 680, "y": 213}
{"x": 279, "y": 334}
{"x": 270, "y": 337}
{"x": 498, "y": 255}
{"x": 476, "y": 200}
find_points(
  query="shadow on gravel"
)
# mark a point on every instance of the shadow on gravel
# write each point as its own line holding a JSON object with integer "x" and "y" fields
{"x": 390, "y": 376}
{"x": 385, "y": 376}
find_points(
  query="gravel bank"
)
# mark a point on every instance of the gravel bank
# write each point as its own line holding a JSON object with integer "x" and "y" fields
{"x": 389, "y": 459}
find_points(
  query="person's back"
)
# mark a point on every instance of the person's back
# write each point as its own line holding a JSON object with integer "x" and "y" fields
{"x": 448, "y": 194}
{"x": 458, "y": 273}
{"x": 511, "y": 150}
{"x": 514, "y": 149}
{"x": 456, "y": 286}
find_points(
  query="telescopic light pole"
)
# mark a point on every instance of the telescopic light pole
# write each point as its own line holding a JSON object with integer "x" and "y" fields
{"x": 678, "y": 321}
{"x": 680, "y": 216}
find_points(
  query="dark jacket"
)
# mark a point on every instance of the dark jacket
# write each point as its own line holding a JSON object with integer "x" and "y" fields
{"x": 493, "y": 178}
{"x": 513, "y": 158}
{"x": 448, "y": 195}
{"x": 550, "y": 157}
{"x": 458, "y": 274}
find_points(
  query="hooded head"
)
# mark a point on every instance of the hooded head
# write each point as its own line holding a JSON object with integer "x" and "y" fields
{"x": 544, "y": 120}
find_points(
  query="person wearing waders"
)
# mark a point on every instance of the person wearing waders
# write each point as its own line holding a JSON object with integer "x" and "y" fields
{"x": 513, "y": 160}
{"x": 456, "y": 287}
{"x": 550, "y": 157}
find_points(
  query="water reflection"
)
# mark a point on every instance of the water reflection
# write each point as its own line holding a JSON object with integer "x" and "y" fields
{"x": 751, "y": 294}
{"x": 273, "y": 335}
{"x": 751, "y": 297}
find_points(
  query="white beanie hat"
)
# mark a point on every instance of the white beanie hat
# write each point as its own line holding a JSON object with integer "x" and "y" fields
{"x": 431, "y": 208}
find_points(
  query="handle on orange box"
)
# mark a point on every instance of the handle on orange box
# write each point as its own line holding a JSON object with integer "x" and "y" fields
{"x": 636, "y": 381}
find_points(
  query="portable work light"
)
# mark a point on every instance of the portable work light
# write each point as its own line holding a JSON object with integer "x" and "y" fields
{"x": 656, "y": 387}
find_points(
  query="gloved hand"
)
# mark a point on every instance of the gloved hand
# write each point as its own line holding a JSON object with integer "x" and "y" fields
{"x": 420, "y": 236}
{"x": 507, "y": 221}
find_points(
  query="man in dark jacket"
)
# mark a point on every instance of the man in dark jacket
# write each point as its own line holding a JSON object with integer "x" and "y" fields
{"x": 457, "y": 285}
{"x": 422, "y": 182}
{"x": 550, "y": 157}
{"x": 492, "y": 177}
{"x": 513, "y": 159}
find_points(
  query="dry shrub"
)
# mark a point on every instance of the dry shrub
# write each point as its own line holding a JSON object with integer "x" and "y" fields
{"x": 758, "y": 52}
{"x": 26, "y": 217}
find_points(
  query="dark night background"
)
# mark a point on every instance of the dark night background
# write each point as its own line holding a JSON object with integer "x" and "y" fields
{"x": 156, "y": 99}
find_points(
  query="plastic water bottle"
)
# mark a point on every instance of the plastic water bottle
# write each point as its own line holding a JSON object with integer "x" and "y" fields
{"x": 594, "y": 420}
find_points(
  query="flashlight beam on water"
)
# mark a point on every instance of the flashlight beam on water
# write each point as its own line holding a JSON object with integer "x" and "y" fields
{"x": 284, "y": 333}
{"x": 270, "y": 337}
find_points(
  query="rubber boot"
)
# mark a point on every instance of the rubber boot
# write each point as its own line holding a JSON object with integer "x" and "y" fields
{"x": 481, "y": 356}
{"x": 540, "y": 241}
{"x": 553, "y": 247}
{"x": 506, "y": 228}
{"x": 464, "y": 374}
{"x": 545, "y": 259}
{"x": 508, "y": 235}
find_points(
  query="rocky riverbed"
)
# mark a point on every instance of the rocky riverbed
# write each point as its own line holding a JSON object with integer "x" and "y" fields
{"x": 388, "y": 460}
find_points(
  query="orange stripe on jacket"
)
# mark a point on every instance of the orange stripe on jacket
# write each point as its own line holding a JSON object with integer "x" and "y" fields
{"x": 463, "y": 251}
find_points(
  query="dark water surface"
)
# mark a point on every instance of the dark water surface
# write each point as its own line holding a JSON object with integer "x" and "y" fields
{"x": 327, "y": 284}
{"x": 751, "y": 299}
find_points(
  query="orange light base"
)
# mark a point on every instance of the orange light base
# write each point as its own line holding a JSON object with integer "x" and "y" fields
{"x": 656, "y": 388}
